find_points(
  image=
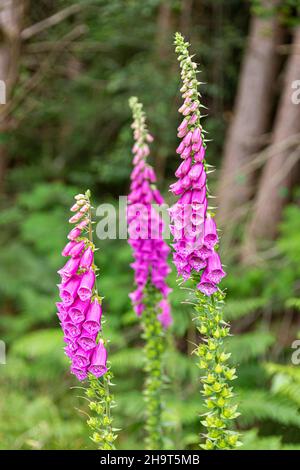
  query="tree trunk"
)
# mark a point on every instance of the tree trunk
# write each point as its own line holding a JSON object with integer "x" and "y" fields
{"x": 251, "y": 114}
{"x": 11, "y": 16}
{"x": 277, "y": 177}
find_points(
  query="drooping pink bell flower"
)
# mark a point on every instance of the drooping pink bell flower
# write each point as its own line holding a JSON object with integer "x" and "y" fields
{"x": 206, "y": 286}
{"x": 77, "y": 249}
{"x": 87, "y": 258}
{"x": 67, "y": 248}
{"x": 93, "y": 318}
{"x": 165, "y": 316}
{"x": 75, "y": 233}
{"x": 77, "y": 311}
{"x": 69, "y": 268}
{"x": 68, "y": 290}
{"x": 98, "y": 361}
{"x": 85, "y": 289}
{"x": 214, "y": 271}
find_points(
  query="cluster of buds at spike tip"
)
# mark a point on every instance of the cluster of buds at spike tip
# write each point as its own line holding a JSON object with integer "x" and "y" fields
{"x": 80, "y": 308}
{"x": 145, "y": 225}
{"x": 193, "y": 226}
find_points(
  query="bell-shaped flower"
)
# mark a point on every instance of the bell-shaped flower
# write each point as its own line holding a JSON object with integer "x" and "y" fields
{"x": 93, "y": 318}
{"x": 85, "y": 289}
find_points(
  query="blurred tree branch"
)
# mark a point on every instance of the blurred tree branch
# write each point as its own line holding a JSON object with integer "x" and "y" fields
{"x": 53, "y": 20}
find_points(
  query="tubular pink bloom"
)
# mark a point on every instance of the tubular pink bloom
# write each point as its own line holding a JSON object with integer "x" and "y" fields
{"x": 205, "y": 251}
{"x": 63, "y": 316}
{"x": 145, "y": 226}
{"x": 196, "y": 135}
{"x": 188, "y": 139}
{"x": 67, "y": 248}
{"x": 75, "y": 207}
{"x": 186, "y": 198}
{"x": 214, "y": 272}
{"x": 193, "y": 119}
{"x": 196, "y": 147}
{"x": 185, "y": 182}
{"x": 177, "y": 188}
{"x": 137, "y": 295}
{"x": 84, "y": 209}
{"x": 180, "y": 148}
{"x": 139, "y": 308}
{"x": 75, "y": 218}
{"x": 98, "y": 361}
{"x": 197, "y": 263}
{"x": 68, "y": 291}
{"x": 60, "y": 307}
{"x": 93, "y": 317}
{"x": 86, "y": 286}
{"x": 201, "y": 181}
{"x": 210, "y": 232}
{"x": 196, "y": 171}
{"x": 206, "y": 286}
{"x": 157, "y": 197}
{"x": 83, "y": 224}
{"x": 81, "y": 359}
{"x": 75, "y": 233}
{"x": 87, "y": 259}
{"x": 81, "y": 374}
{"x": 71, "y": 330}
{"x": 183, "y": 125}
{"x": 200, "y": 155}
{"x": 193, "y": 229}
{"x": 199, "y": 195}
{"x": 187, "y": 110}
{"x": 79, "y": 317}
{"x": 77, "y": 311}
{"x": 87, "y": 342}
{"x": 72, "y": 344}
{"x": 183, "y": 168}
{"x": 165, "y": 316}
{"x": 69, "y": 268}
{"x": 193, "y": 107}
{"x": 187, "y": 152}
{"x": 77, "y": 249}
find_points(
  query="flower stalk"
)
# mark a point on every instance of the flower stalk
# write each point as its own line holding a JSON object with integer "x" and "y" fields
{"x": 80, "y": 314}
{"x": 196, "y": 257}
{"x": 150, "y": 298}
{"x": 154, "y": 337}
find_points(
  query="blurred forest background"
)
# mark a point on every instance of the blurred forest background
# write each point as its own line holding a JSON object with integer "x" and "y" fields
{"x": 70, "y": 67}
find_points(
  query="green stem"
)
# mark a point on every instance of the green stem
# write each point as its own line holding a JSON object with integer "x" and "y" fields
{"x": 101, "y": 400}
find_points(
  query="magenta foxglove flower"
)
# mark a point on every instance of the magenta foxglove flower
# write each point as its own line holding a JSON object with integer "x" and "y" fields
{"x": 93, "y": 318}
{"x": 80, "y": 308}
{"x": 145, "y": 226}
{"x": 193, "y": 227}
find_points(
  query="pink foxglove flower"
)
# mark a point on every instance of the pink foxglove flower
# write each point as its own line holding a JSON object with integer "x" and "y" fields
{"x": 194, "y": 229}
{"x": 145, "y": 226}
{"x": 80, "y": 308}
